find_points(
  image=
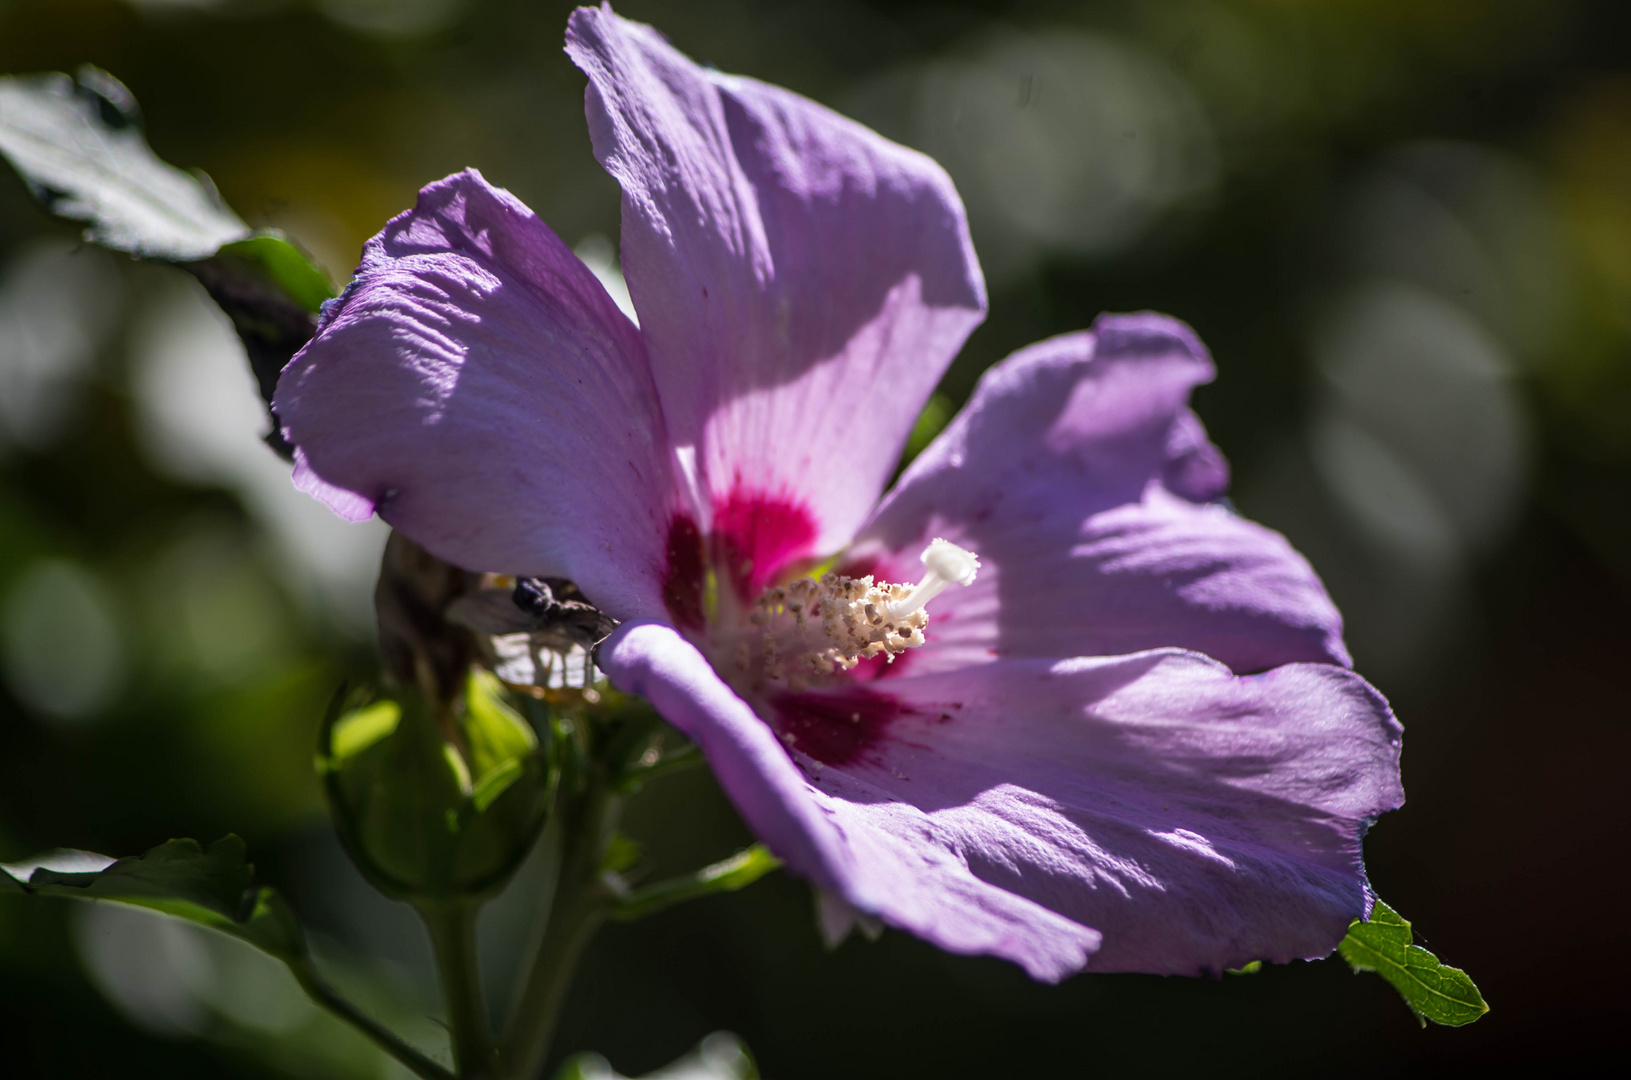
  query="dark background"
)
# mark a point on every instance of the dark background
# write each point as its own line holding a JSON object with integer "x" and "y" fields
{"x": 1404, "y": 229}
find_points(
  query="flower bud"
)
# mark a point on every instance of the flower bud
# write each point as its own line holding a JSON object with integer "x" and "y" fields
{"x": 428, "y": 812}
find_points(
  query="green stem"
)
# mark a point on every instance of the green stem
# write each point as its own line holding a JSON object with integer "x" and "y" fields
{"x": 569, "y": 933}
{"x": 578, "y": 909}
{"x": 452, "y": 926}
{"x": 687, "y": 757}
{"x": 387, "y": 1040}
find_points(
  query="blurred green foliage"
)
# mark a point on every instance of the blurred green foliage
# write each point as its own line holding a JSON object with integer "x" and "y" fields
{"x": 1404, "y": 230}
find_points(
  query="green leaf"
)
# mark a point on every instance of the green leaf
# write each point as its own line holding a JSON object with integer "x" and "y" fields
{"x": 269, "y": 289}
{"x": 272, "y": 927}
{"x": 286, "y": 266}
{"x": 736, "y": 872}
{"x": 79, "y": 147}
{"x": 936, "y": 414}
{"x": 178, "y": 871}
{"x": 622, "y": 852}
{"x": 213, "y": 888}
{"x": 1434, "y": 991}
{"x": 78, "y": 144}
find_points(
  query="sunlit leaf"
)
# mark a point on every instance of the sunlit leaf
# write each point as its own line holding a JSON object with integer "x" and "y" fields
{"x": 287, "y": 266}
{"x": 1434, "y": 991}
{"x": 269, "y": 289}
{"x": 728, "y": 875}
{"x": 79, "y": 146}
{"x": 213, "y": 888}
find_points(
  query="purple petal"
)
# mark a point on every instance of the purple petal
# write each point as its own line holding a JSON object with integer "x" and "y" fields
{"x": 1197, "y": 819}
{"x": 911, "y": 881}
{"x": 659, "y": 664}
{"x": 802, "y": 284}
{"x": 477, "y": 387}
{"x": 1071, "y": 473}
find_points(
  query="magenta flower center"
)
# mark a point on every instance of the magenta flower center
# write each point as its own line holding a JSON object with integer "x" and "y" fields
{"x": 811, "y": 629}
{"x": 768, "y": 639}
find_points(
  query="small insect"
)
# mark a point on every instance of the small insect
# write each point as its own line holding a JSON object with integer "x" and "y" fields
{"x": 541, "y": 631}
{"x": 556, "y": 606}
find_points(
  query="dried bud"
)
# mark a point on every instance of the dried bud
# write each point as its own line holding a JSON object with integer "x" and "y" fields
{"x": 421, "y": 648}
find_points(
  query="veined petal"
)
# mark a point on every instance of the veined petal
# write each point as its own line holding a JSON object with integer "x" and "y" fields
{"x": 1197, "y": 819}
{"x": 1082, "y": 479}
{"x": 477, "y": 387}
{"x": 656, "y": 662}
{"x": 801, "y": 281}
{"x": 878, "y": 859}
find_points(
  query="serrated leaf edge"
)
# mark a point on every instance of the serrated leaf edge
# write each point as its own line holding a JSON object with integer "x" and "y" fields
{"x": 1384, "y": 918}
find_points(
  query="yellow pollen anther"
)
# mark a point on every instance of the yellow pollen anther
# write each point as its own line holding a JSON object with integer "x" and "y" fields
{"x": 814, "y": 627}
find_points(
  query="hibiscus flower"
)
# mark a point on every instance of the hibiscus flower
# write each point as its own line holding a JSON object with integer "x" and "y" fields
{"x": 1052, "y": 700}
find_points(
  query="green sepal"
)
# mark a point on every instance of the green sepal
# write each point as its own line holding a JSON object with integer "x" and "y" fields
{"x": 357, "y": 730}
{"x": 1433, "y": 990}
{"x": 9, "y": 884}
{"x": 434, "y": 811}
{"x": 497, "y": 736}
{"x": 393, "y": 782}
{"x": 512, "y": 788}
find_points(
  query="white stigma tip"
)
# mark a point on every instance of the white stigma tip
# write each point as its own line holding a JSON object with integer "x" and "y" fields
{"x": 947, "y": 564}
{"x": 957, "y": 565}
